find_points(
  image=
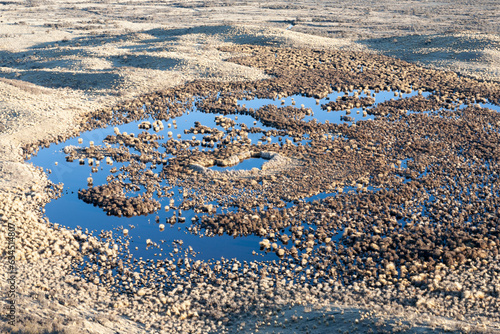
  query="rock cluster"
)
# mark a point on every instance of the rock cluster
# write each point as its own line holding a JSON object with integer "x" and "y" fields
{"x": 111, "y": 198}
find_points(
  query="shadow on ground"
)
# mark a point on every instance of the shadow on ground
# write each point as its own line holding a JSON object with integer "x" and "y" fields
{"x": 426, "y": 49}
{"x": 81, "y": 64}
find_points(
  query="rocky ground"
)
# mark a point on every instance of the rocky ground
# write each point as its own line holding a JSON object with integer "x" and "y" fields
{"x": 64, "y": 60}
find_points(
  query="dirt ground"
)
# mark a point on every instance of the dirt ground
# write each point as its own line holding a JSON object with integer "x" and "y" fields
{"x": 62, "y": 59}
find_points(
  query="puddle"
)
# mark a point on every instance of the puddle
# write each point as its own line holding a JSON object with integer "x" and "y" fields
{"x": 247, "y": 164}
{"x": 455, "y": 106}
{"x": 322, "y": 115}
{"x": 74, "y": 212}
{"x": 194, "y": 130}
{"x": 489, "y": 106}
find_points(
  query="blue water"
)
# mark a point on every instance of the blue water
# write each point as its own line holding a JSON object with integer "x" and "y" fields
{"x": 321, "y": 115}
{"x": 72, "y": 212}
{"x": 246, "y": 164}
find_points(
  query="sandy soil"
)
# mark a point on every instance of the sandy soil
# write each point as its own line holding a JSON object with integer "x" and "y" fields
{"x": 62, "y": 59}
